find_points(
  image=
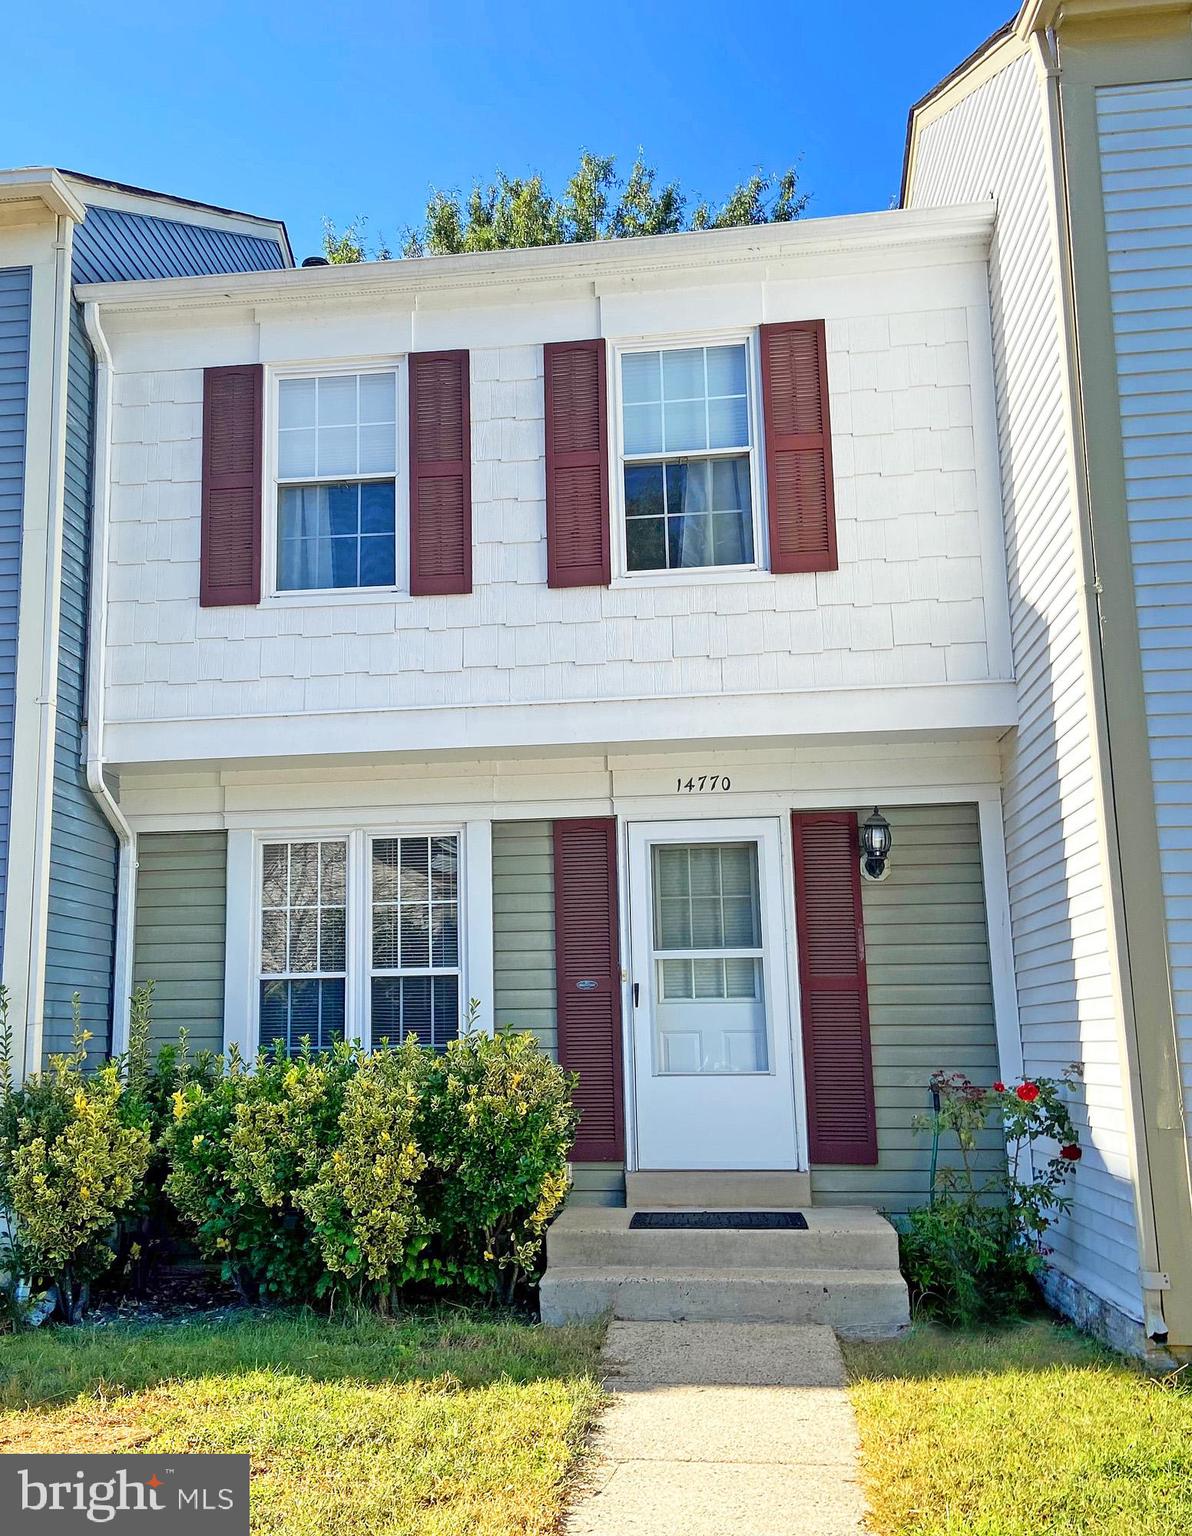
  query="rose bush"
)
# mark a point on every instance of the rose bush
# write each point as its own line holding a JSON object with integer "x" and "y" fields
{"x": 972, "y": 1253}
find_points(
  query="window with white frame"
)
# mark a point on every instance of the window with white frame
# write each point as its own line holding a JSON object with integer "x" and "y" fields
{"x": 336, "y": 481}
{"x": 686, "y": 446}
{"x": 414, "y": 982}
{"x": 360, "y": 939}
{"x": 303, "y": 959}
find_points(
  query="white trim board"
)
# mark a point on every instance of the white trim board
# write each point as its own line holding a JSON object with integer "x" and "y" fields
{"x": 930, "y": 708}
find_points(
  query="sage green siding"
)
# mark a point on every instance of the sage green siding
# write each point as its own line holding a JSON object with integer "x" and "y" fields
{"x": 930, "y": 993}
{"x": 524, "y": 965}
{"x": 179, "y": 938}
{"x": 930, "y": 999}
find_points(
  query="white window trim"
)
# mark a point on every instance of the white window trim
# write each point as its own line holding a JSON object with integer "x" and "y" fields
{"x": 243, "y": 920}
{"x": 748, "y": 337}
{"x": 305, "y": 597}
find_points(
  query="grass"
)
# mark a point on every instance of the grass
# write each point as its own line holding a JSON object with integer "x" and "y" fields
{"x": 434, "y": 1425}
{"x": 1031, "y": 1431}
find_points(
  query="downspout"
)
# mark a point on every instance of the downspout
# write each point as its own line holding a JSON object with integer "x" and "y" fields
{"x": 126, "y": 838}
{"x": 1046, "y": 45}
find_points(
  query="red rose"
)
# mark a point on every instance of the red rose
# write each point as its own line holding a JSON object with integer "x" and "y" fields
{"x": 1027, "y": 1092}
{"x": 1071, "y": 1152}
{"x": 999, "y": 1087}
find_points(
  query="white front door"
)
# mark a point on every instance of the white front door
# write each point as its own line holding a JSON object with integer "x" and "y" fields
{"x": 713, "y": 1065}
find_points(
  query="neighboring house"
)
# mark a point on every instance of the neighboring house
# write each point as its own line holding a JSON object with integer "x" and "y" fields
{"x": 58, "y": 846}
{"x": 1077, "y": 121}
{"x": 536, "y": 628}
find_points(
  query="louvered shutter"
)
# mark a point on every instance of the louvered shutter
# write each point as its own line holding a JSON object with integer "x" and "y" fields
{"x": 577, "y": 532}
{"x": 440, "y": 474}
{"x": 588, "y": 979}
{"x": 799, "y": 494}
{"x": 834, "y": 994}
{"x": 230, "y": 533}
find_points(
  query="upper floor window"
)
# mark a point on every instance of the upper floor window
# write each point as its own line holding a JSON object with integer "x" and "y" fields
{"x": 686, "y": 443}
{"x": 336, "y": 481}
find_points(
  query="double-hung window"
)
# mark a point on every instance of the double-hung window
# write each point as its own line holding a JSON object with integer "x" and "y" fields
{"x": 687, "y": 445}
{"x": 336, "y": 481}
{"x": 359, "y": 939}
{"x": 303, "y": 944}
{"x": 414, "y": 980}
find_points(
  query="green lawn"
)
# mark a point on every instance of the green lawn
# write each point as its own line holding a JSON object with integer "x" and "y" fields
{"x": 1034, "y": 1431}
{"x": 435, "y": 1425}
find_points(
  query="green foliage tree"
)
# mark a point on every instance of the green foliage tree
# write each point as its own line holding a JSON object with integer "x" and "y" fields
{"x": 510, "y": 212}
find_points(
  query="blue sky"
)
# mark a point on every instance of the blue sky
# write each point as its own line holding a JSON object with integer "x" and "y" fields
{"x": 298, "y": 110}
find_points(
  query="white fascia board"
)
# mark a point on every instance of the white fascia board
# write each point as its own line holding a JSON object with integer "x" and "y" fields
{"x": 967, "y": 226}
{"x": 1038, "y": 15}
{"x": 41, "y": 184}
{"x": 932, "y": 710}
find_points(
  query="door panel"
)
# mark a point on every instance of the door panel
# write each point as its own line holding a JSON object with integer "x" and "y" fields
{"x": 711, "y": 1027}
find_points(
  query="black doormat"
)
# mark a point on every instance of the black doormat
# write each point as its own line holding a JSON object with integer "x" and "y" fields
{"x": 711, "y": 1221}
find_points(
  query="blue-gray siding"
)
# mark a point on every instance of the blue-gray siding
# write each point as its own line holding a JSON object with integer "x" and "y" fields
{"x": 16, "y": 285}
{"x": 114, "y": 246}
{"x": 79, "y": 947}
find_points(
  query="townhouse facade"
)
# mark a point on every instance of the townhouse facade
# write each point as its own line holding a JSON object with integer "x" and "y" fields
{"x": 540, "y": 630}
{"x": 755, "y": 661}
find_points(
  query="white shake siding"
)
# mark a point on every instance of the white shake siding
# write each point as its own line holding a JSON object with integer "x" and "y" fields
{"x": 993, "y": 144}
{"x": 1145, "y": 134}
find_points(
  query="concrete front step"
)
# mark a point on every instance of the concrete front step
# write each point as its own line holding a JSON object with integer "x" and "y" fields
{"x": 869, "y": 1303}
{"x": 836, "y": 1238}
{"x": 717, "y": 1189}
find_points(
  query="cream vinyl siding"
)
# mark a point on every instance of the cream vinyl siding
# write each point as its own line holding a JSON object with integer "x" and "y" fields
{"x": 930, "y": 1000}
{"x": 524, "y": 965}
{"x": 1145, "y": 141}
{"x": 993, "y": 144}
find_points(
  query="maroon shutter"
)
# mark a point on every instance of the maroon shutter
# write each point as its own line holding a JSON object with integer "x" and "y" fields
{"x": 588, "y": 978}
{"x": 440, "y": 474}
{"x": 230, "y": 536}
{"x": 799, "y": 495}
{"x": 577, "y": 534}
{"x": 831, "y": 941}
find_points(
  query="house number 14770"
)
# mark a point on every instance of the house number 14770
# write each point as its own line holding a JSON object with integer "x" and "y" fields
{"x": 704, "y": 784}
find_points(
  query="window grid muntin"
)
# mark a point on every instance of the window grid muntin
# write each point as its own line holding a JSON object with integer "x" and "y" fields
{"x": 690, "y": 956}
{"x": 326, "y": 981}
{"x": 317, "y": 476}
{"x": 440, "y": 980}
{"x": 750, "y": 517}
{"x": 331, "y": 479}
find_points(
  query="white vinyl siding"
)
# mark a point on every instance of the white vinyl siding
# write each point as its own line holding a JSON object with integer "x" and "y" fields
{"x": 993, "y": 143}
{"x": 1145, "y": 134}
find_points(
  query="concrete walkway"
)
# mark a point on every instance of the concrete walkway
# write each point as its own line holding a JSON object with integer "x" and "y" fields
{"x": 723, "y": 1429}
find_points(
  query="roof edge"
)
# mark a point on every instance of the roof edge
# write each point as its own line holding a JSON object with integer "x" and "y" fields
{"x": 259, "y": 223}
{"x": 591, "y": 261}
{"x": 43, "y": 184}
{"x": 1006, "y": 33}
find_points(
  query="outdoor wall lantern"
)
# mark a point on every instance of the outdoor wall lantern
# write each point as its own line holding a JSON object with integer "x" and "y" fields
{"x": 876, "y": 842}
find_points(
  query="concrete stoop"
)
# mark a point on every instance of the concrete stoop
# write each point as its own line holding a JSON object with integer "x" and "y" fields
{"x": 843, "y": 1272}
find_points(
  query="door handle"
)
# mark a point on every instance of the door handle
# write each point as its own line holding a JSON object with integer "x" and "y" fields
{"x": 636, "y": 993}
